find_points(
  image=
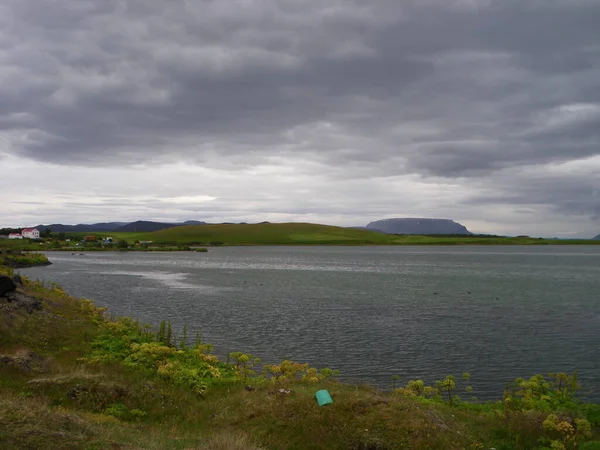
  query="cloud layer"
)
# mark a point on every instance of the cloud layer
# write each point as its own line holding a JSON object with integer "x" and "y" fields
{"x": 484, "y": 111}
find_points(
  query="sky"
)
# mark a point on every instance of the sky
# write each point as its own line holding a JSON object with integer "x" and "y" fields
{"x": 338, "y": 112}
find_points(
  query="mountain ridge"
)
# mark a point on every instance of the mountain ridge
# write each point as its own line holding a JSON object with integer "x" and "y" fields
{"x": 104, "y": 227}
{"x": 386, "y": 226}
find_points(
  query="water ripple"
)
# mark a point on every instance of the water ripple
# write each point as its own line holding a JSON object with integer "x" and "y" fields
{"x": 372, "y": 312}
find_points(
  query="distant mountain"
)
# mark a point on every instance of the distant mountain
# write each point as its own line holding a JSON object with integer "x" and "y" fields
{"x": 96, "y": 227}
{"x": 597, "y": 237}
{"x": 141, "y": 226}
{"x": 144, "y": 226}
{"x": 418, "y": 226}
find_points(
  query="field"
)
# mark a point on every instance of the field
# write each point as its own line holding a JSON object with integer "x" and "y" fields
{"x": 313, "y": 234}
{"x": 177, "y": 238}
{"x": 20, "y": 244}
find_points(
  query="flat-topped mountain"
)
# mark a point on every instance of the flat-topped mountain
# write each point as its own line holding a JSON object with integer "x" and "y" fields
{"x": 418, "y": 226}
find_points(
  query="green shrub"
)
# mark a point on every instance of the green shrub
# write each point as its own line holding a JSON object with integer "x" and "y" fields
{"x": 122, "y": 244}
{"x": 120, "y": 411}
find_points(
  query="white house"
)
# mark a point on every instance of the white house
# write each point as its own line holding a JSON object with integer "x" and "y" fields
{"x": 15, "y": 236}
{"x": 30, "y": 233}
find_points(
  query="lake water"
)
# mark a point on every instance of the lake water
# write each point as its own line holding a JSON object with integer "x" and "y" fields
{"x": 371, "y": 312}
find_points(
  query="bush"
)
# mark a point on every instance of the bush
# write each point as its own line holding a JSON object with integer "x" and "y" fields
{"x": 120, "y": 411}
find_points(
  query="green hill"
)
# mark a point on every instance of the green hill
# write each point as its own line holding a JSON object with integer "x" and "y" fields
{"x": 314, "y": 234}
{"x": 266, "y": 234}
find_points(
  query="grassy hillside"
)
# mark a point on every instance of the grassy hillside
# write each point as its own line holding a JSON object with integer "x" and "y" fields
{"x": 313, "y": 234}
{"x": 71, "y": 377}
{"x": 267, "y": 234}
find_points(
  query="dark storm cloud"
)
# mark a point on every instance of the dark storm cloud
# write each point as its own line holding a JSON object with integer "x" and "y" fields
{"x": 450, "y": 89}
{"x": 573, "y": 191}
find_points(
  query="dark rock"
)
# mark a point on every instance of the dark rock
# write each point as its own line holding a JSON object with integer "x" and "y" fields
{"x": 6, "y": 285}
{"x": 26, "y": 361}
{"x": 30, "y": 304}
{"x": 77, "y": 391}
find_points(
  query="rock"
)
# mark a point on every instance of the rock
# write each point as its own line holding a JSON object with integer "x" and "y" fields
{"x": 77, "y": 391}
{"x": 26, "y": 361}
{"x": 30, "y": 304}
{"x": 17, "y": 280}
{"x": 280, "y": 392}
{"x": 6, "y": 285}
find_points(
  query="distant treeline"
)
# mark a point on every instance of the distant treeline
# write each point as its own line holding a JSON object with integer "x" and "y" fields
{"x": 5, "y": 231}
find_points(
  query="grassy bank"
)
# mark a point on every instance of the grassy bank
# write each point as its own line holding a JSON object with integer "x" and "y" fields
{"x": 73, "y": 377}
{"x": 16, "y": 260}
{"x": 313, "y": 234}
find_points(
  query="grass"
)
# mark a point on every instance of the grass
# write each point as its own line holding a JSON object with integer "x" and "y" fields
{"x": 280, "y": 234}
{"x": 16, "y": 260}
{"x": 77, "y": 379}
{"x": 20, "y": 244}
{"x": 314, "y": 234}
{"x": 265, "y": 234}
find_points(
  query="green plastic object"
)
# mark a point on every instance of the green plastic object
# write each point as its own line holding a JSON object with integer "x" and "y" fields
{"x": 323, "y": 397}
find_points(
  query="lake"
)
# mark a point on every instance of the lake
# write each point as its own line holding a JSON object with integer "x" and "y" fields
{"x": 371, "y": 312}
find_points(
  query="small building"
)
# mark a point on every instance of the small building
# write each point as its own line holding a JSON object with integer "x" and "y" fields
{"x": 15, "y": 236}
{"x": 89, "y": 238}
{"x": 3, "y": 236}
{"x": 30, "y": 233}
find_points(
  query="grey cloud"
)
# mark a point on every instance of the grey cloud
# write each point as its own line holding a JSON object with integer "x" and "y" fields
{"x": 570, "y": 194}
{"x": 454, "y": 89}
